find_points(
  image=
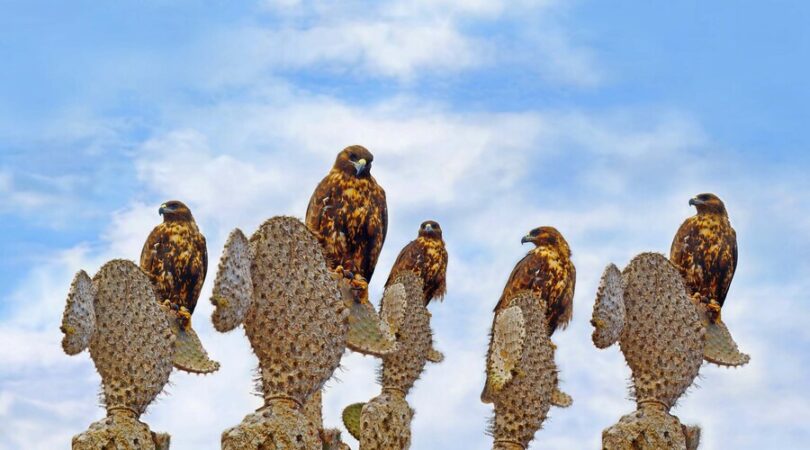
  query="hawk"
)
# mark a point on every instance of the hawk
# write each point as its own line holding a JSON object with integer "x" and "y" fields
{"x": 349, "y": 216}
{"x": 426, "y": 256}
{"x": 548, "y": 271}
{"x": 705, "y": 252}
{"x": 176, "y": 260}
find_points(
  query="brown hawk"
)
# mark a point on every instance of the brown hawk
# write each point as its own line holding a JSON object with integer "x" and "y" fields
{"x": 176, "y": 259}
{"x": 705, "y": 252}
{"x": 426, "y": 256}
{"x": 349, "y": 216}
{"x": 548, "y": 271}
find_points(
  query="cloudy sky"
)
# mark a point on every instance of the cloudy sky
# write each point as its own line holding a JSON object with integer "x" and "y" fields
{"x": 492, "y": 117}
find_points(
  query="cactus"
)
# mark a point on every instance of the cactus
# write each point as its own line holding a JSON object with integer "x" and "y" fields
{"x": 646, "y": 309}
{"x": 132, "y": 346}
{"x": 278, "y": 287}
{"x": 521, "y": 373}
{"x": 385, "y": 421}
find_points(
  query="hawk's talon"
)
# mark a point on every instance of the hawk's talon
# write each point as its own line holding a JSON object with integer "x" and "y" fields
{"x": 185, "y": 317}
{"x": 714, "y": 310}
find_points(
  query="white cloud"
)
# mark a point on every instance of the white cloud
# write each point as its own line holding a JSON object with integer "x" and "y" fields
{"x": 404, "y": 40}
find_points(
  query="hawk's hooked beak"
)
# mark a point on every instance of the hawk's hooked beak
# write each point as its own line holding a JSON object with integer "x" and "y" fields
{"x": 163, "y": 209}
{"x": 527, "y": 238}
{"x": 695, "y": 201}
{"x": 359, "y": 166}
{"x": 428, "y": 227}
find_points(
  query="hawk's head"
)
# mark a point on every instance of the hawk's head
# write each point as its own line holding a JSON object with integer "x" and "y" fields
{"x": 708, "y": 204}
{"x": 430, "y": 229}
{"x": 547, "y": 237}
{"x": 175, "y": 210}
{"x": 355, "y": 160}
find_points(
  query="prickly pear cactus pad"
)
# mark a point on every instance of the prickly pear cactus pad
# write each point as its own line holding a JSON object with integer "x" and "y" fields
{"x": 279, "y": 425}
{"x": 233, "y": 287}
{"x": 386, "y": 422}
{"x": 720, "y": 346}
{"x": 402, "y": 367}
{"x": 79, "y": 319}
{"x": 296, "y": 323}
{"x": 189, "y": 353}
{"x": 132, "y": 346}
{"x": 662, "y": 338}
{"x": 523, "y": 401}
{"x": 368, "y": 334}
{"x": 608, "y": 311}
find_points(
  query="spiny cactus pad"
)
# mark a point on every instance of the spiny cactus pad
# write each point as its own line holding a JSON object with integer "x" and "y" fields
{"x": 720, "y": 347}
{"x": 233, "y": 287}
{"x": 279, "y": 425}
{"x": 662, "y": 338}
{"x": 351, "y": 418}
{"x": 560, "y": 399}
{"x": 401, "y": 368}
{"x": 608, "y": 311}
{"x": 132, "y": 345}
{"x": 120, "y": 432}
{"x": 189, "y": 354}
{"x": 522, "y": 404}
{"x": 296, "y": 323}
{"x": 386, "y": 422}
{"x": 508, "y": 334}
{"x": 79, "y": 319}
{"x": 368, "y": 334}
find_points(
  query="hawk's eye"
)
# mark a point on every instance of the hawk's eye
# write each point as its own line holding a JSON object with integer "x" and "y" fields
{"x": 535, "y": 232}
{"x": 352, "y": 156}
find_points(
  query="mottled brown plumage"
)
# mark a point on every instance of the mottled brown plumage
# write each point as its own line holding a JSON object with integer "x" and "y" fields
{"x": 176, "y": 259}
{"x": 348, "y": 214}
{"x": 426, "y": 256}
{"x": 548, "y": 271}
{"x": 705, "y": 252}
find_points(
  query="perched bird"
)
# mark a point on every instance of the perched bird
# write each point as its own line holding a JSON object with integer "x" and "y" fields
{"x": 176, "y": 259}
{"x": 705, "y": 252}
{"x": 548, "y": 271}
{"x": 349, "y": 216}
{"x": 426, "y": 256}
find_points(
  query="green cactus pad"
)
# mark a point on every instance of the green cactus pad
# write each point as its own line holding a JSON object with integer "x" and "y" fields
{"x": 351, "y": 418}
{"x": 720, "y": 347}
{"x": 367, "y": 333}
{"x": 189, "y": 354}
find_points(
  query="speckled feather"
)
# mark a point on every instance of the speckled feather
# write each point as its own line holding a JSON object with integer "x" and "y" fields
{"x": 176, "y": 260}
{"x": 427, "y": 257}
{"x": 705, "y": 252}
{"x": 548, "y": 271}
{"x": 349, "y": 216}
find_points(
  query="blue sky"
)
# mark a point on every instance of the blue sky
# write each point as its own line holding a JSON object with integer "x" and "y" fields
{"x": 600, "y": 118}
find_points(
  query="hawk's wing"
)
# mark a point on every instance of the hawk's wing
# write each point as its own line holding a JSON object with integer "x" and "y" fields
{"x": 376, "y": 229}
{"x": 410, "y": 257}
{"x": 506, "y": 349}
{"x": 561, "y": 307}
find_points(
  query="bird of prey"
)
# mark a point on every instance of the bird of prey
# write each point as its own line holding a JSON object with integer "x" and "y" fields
{"x": 176, "y": 260}
{"x": 349, "y": 216}
{"x": 705, "y": 252}
{"x": 548, "y": 271}
{"x": 426, "y": 256}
